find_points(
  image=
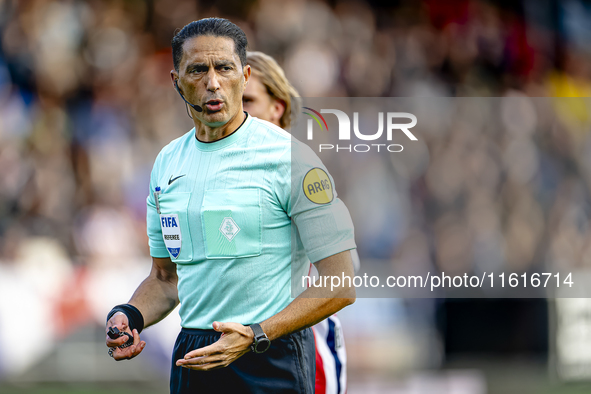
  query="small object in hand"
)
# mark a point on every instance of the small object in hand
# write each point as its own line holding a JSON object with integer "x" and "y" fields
{"x": 114, "y": 333}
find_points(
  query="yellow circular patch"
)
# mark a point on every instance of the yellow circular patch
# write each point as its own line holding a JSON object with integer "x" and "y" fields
{"x": 317, "y": 186}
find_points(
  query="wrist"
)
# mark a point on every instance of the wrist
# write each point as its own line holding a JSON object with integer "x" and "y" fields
{"x": 134, "y": 316}
{"x": 261, "y": 342}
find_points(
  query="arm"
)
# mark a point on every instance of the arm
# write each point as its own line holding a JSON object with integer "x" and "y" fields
{"x": 312, "y": 306}
{"x": 157, "y": 295}
{"x": 155, "y": 298}
{"x": 315, "y": 303}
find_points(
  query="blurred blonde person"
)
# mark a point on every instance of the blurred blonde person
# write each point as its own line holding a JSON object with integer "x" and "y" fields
{"x": 269, "y": 96}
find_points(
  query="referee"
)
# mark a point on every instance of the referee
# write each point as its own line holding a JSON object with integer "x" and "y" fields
{"x": 229, "y": 235}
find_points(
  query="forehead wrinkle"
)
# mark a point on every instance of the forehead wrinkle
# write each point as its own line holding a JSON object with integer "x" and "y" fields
{"x": 203, "y": 48}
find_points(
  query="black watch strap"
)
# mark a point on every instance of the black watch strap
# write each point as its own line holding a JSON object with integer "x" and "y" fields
{"x": 257, "y": 330}
{"x": 261, "y": 342}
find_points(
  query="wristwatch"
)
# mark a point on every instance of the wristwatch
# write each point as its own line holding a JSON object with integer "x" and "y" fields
{"x": 261, "y": 343}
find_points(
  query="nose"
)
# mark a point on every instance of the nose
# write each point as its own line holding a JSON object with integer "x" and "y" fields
{"x": 212, "y": 82}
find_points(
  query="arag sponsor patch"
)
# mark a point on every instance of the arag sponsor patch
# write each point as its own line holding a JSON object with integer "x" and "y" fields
{"x": 318, "y": 187}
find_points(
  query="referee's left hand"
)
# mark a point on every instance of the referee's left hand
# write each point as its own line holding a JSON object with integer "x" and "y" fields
{"x": 234, "y": 342}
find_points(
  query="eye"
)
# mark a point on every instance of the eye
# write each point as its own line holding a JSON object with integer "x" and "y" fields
{"x": 198, "y": 69}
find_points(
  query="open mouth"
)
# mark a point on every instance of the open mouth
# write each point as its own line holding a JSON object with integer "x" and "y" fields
{"x": 214, "y": 105}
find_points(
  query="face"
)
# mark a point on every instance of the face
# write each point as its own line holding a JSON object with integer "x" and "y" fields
{"x": 210, "y": 75}
{"x": 257, "y": 102}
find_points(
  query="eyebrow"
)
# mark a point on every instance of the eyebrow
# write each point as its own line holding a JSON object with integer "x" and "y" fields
{"x": 217, "y": 63}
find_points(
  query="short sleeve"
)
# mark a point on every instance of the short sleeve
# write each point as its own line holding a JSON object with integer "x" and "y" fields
{"x": 155, "y": 240}
{"x": 308, "y": 196}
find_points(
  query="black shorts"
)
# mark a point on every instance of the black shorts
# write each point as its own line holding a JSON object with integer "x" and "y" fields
{"x": 287, "y": 367}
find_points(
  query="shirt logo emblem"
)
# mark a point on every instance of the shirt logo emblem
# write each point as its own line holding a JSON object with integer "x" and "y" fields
{"x": 174, "y": 179}
{"x": 171, "y": 233}
{"x": 229, "y": 228}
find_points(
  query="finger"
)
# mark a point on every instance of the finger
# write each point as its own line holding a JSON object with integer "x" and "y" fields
{"x": 136, "y": 340}
{"x": 132, "y": 350}
{"x": 137, "y": 347}
{"x": 202, "y": 360}
{"x": 226, "y": 327}
{"x": 129, "y": 352}
{"x": 207, "y": 367}
{"x": 122, "y": 339}
{"x": 214, "y": 348}
{"x": 116, "y": 342}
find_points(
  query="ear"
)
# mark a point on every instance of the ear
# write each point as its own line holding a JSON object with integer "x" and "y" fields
{"x": 246, "y": 70}
{"x": 277, "y": 110}
{"x": 174, "y": 76}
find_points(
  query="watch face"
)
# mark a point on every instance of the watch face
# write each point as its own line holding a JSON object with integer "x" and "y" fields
{"x": 262, "y": 345}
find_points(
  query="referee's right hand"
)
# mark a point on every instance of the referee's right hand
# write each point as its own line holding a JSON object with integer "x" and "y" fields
{"x": 120, "y": 321}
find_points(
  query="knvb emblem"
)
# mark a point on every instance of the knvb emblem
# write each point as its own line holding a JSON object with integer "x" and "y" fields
{"x": 344, "y": 132}
{"x": 229, "y": 228}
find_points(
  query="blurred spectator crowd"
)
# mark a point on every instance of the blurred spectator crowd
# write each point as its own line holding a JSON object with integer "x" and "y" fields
{"x": 86, "y": 103}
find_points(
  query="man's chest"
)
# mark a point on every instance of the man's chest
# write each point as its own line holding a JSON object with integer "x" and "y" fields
{"x": 221, "y": 207}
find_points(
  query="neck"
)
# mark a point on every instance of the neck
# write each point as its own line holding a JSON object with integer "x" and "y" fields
{"x": 206, "y": 133}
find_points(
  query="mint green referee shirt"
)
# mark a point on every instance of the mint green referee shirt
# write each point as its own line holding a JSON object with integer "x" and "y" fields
{"x": 234, "y": 227}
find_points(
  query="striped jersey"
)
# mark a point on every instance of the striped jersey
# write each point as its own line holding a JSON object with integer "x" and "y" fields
{"x": 331, "y": 357}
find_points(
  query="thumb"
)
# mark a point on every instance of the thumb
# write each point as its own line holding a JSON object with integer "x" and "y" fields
{"x": 222, "y": 327}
